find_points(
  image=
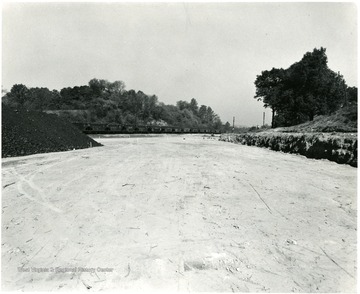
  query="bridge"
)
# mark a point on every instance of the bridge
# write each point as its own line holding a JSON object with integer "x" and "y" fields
{"x": 113, "y": 128}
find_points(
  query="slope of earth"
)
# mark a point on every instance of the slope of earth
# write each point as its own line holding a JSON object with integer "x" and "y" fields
{"x": 25, "y": 133}
{"x": 343, "y": 120}
{"x": 338, "y": 147}
{"x": 178, "y": 213}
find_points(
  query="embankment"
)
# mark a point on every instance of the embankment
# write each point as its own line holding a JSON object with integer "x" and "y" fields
{"x": 338, "y": 147}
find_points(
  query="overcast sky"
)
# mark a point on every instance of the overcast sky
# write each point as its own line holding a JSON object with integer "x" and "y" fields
{"x": 209, "y": 51}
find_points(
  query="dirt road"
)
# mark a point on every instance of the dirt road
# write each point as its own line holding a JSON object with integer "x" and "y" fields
{"x": 178, "y": 213}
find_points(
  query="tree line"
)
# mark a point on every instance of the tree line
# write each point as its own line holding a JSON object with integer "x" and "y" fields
{"x": 102, "y": 101}
{"x": 306, "y": 89}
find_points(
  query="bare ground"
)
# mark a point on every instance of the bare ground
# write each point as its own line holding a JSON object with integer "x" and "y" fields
{"x": 170, "y": 213}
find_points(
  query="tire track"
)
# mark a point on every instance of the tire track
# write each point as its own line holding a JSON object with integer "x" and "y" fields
{"x": 29, "y": 180}
{"x": 28, "y": 196}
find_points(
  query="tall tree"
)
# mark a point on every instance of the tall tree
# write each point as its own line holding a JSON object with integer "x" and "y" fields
{"x": 194, "y": 106}
{"x": 202, "y": 113}
{"x": 352, "y": 95}
{"x": 269, "y": 88}
{"x": 210, "y": 115}
{"x": 181, "y": 104}
{"x": 18, "y": 95}
{"x": 307, "y": 88}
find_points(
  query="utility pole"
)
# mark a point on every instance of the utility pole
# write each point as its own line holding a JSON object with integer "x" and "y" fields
{"x": 233, "y": 123}
{"x": 264, "y": 118}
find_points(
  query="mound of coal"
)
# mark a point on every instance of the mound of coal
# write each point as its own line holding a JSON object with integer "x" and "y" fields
{"x": 25, "y": 133}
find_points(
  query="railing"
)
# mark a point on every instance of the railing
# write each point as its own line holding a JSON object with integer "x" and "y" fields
{"x": 93, "y": 128}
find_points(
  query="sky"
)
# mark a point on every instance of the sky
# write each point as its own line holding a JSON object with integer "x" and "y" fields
{"x": 208, "y": 51}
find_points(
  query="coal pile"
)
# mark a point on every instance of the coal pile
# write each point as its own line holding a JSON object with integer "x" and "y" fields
{"x": 29, "y": 132}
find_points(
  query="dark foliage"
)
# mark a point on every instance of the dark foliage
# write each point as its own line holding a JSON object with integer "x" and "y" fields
{"x": 102, "y": 101}
{"x": 306, "y": 89}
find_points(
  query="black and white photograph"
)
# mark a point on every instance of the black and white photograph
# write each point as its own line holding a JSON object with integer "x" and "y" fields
{"x": 181, "y": 147}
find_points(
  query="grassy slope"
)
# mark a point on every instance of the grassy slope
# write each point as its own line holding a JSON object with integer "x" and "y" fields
{"x": 344, "y": 120}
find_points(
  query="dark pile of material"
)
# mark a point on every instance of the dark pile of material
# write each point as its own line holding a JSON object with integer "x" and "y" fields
{"x": 25, "y": 133}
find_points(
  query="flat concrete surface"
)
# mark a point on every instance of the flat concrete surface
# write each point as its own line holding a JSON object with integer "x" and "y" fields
{"x": 186, "y": 213}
